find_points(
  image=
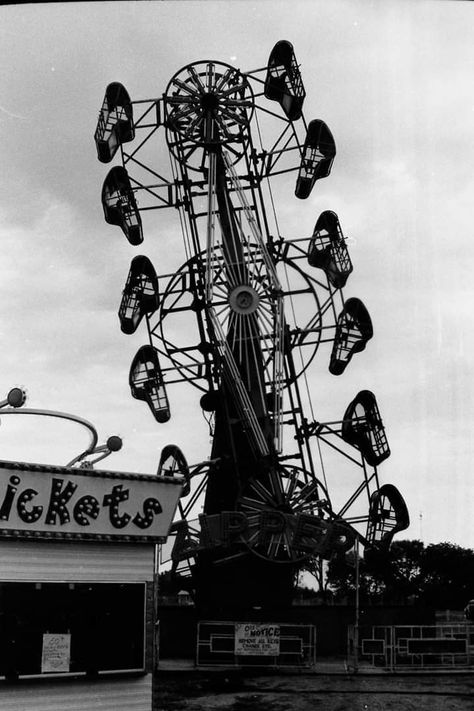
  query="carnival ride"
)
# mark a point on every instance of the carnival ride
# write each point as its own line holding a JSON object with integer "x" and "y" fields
{"x": 261, "y": 306}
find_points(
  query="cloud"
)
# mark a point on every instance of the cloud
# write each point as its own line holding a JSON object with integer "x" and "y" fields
{"x": 392, "y": 88}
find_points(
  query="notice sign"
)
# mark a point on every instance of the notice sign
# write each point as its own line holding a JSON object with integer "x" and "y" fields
{"x": 56, "y": 653}
{"x": 261, "y": 640}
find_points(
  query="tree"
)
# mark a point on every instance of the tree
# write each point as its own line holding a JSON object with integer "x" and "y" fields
{"x": 316, "y": 567}
{"x": 448, "y": 576}
{"x": 341, "y": 577}
{"x": 401, "y": 576}
{"x": 440, "y": 575}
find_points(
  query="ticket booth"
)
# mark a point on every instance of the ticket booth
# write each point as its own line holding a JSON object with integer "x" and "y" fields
{"x": 77, "y": 586}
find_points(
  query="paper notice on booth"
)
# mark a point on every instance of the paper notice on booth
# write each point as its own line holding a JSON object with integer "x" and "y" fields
{"x": 56, "y": 653}
{"x": 253, "y": 639}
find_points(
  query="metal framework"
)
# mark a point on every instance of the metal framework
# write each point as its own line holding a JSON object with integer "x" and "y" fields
{"x": 412, "y": 647}
{"x": 216, "y": 646}
{"x": 261, "y": 305}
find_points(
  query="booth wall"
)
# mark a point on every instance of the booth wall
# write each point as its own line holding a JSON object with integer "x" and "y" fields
{"x": 74, "y": 561}
{"x": 113, "y": 695}
{"x": 64, "y": 561}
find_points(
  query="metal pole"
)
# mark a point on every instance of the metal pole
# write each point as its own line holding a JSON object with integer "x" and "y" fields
{"x": 356, "y": 626}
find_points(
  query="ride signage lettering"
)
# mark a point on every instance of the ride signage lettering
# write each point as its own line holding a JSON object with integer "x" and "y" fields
{"x": 45, "y": 501}
{"x": 304, "y": 535}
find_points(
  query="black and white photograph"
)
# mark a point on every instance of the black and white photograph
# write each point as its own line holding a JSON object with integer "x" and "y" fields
{"x": 237, "y": 383}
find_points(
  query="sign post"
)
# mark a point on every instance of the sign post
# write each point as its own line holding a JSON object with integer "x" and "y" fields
{"x": 357, "y": 612}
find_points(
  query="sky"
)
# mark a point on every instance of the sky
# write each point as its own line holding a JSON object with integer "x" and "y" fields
{"x": 392, "y": 80}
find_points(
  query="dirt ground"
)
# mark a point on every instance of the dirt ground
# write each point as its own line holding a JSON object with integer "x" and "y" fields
{"x": 236, "y": 691}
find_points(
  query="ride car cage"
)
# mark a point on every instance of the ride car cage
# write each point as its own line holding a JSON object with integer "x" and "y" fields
{"x": 140, "y": 295}
{"x": 362, "y": 427}
{"x": 353, "y": 330}
{"x": 115, "y": 123}
{"x": 173, "y": 462}
{"x": 283, "y": 82}
{"x": 317, "y": 157}
{"x": 339, "y": 541}
{"x": 185, "y": 546}
{"x": 327, "y": 249}
{"x": 388, "y": 514}
{"x": 146, "y": 382}
{"x": 120, "y": 207}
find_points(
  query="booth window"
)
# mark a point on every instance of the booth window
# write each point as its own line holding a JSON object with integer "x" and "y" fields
{"x": 75, "y": 628}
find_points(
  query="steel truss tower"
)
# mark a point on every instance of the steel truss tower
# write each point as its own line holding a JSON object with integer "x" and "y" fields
{"x": 262, "y": 304}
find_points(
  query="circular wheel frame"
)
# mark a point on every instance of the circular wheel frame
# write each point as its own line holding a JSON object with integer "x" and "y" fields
{"x": 260, "y": 307}
{"x": 290, "y": 492}
{"x": 208, "y": 104}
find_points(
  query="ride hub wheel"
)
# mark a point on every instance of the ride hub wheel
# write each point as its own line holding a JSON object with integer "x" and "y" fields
{"x": 284, "y": 495}
{"x": 208, "y": 104}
